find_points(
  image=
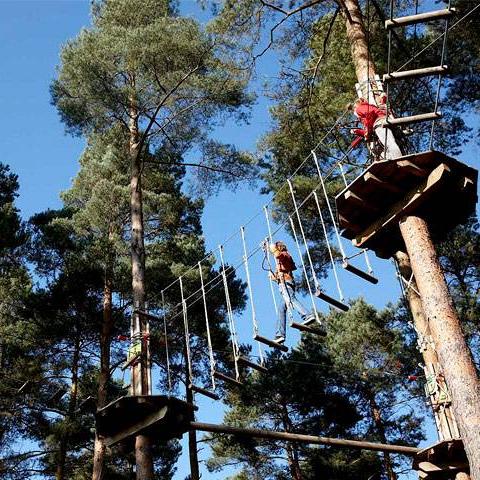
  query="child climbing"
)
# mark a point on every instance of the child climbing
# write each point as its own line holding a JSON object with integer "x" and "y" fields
{"x": 283, "y": 275}
{"x": 373, "y": 119}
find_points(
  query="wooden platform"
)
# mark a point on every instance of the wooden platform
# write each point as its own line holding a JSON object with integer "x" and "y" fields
{"x": 441, "y": 461}
{"x": 431, "y": 185}
{"x": 161, "y": 417}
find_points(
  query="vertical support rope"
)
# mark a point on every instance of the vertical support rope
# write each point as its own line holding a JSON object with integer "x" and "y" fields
{"x": 270, "y": 240}
{"x": 207, "y": 325}
{"x": 187, "y": 333}
{"x": 299, "y": 220}
{"x": 292, "y": 226}
{"x": 231, "y": 320}
{"x": 367, "y": 261}
{"x": 250, "y": 291}
{"x": 167, "y": 356}
{"x": 332, "y": 260}
{"x": 332, "y": 216}
{"x": 440, "y": 76}
{"x": 342, "y": 172}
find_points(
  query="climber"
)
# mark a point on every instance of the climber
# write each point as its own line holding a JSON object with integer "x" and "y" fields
{"x": 373, "y": 119}
{"x": 283, "y": 275}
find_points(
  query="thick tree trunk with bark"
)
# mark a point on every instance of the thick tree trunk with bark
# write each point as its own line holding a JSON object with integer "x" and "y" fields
{"x": 104, "y": 376}
{"x": 445, "y": 419}
{"x": 454, "y": 354}
{"x": 455, "y": 359}
{"x": 140, "y": 374}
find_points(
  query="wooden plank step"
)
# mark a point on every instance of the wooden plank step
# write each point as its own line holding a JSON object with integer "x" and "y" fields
{"x": 148, "y": 315}
{"x": 422, "y": 117}
{"x": 227, "y": 379}
{"x": 418, "y": 72}
{"x": 360, "y": 273}
{"x": 256, "y": 366}
{"x": 419, "y": 18}
{"x": 204, "y": 391}
{"x": 306, "y": 328}
{"x": 332, "y": 301}
{"x": 270, "y": 343}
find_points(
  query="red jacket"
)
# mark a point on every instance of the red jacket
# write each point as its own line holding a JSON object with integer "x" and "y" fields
{"x": 368, "y": 115}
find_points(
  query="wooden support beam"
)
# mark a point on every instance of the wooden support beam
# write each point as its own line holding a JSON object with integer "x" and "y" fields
{"x": 409, "y": 203}
{"x": 412, "y": 168}
{"x": 417, "y": 73}
{"x": 419, "y": 18}
{"x": 137, "y": 427}
{"x": 308, "y": 439}
{"x": 354, "y": 198}
{"x": 370, "y": 178}
{"x": 422, "y": 117}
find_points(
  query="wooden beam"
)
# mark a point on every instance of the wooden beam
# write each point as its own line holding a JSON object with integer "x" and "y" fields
{"x": 354, "y": 198}
{"x": 412, "y": 168}
{"x": 411, "y": 201}
{"x": 370, "y": 178}
{"x": 300, "y": 438}
{"x": 418, "y": 72}
{"x": 422, "y": 117}
{"x": 137, "y": 427}
{"x": 419, "y": 18}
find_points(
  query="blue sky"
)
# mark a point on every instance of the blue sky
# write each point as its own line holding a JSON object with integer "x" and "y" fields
{"x": 45, "y": 158}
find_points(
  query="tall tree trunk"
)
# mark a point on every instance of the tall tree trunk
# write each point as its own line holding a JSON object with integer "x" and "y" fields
{"x": 72, "y": 404}
{"x": 444, "y": 417}
{"x": 454, "y": 355}
{"x": 292, "y": 450}
{"x": 104, "y": 376}
{"x": 455, "y": 358}
{"x": 140, "y": 374}
{"x": 380, "y": 429}
{"x": 192, "y": 435}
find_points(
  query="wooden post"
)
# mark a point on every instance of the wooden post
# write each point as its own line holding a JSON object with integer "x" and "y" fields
{"x": 454, "y": 355}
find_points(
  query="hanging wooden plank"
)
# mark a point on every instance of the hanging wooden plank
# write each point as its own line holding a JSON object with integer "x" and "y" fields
{"x": 360, "y": 273}
{"x": 332, "y": 301}
{"x": 203, "y": 391}
{"x": 226, "y": 378}
{"x": 419, "y": 18}
{"x": 308, "y": 329}
{"x": 248, "y": 363}
{"x": 417, "y": 73}
{"x": 422, "y": 117}
{"x": 270, "y": 343}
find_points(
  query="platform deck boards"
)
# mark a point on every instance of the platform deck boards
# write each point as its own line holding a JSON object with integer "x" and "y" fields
{"x": 441, "y": 460}
{"x": 159, "y": 416}
{"x": 387, "y": 184}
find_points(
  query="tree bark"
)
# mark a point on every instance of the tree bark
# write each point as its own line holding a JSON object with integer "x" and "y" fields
{"x": 444, "y": 417}
{"x": 455, "y": 358}
{"x": 104, "y": 376}
{"x": 454, "y": 355}
{"x": 140, "y": 374}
